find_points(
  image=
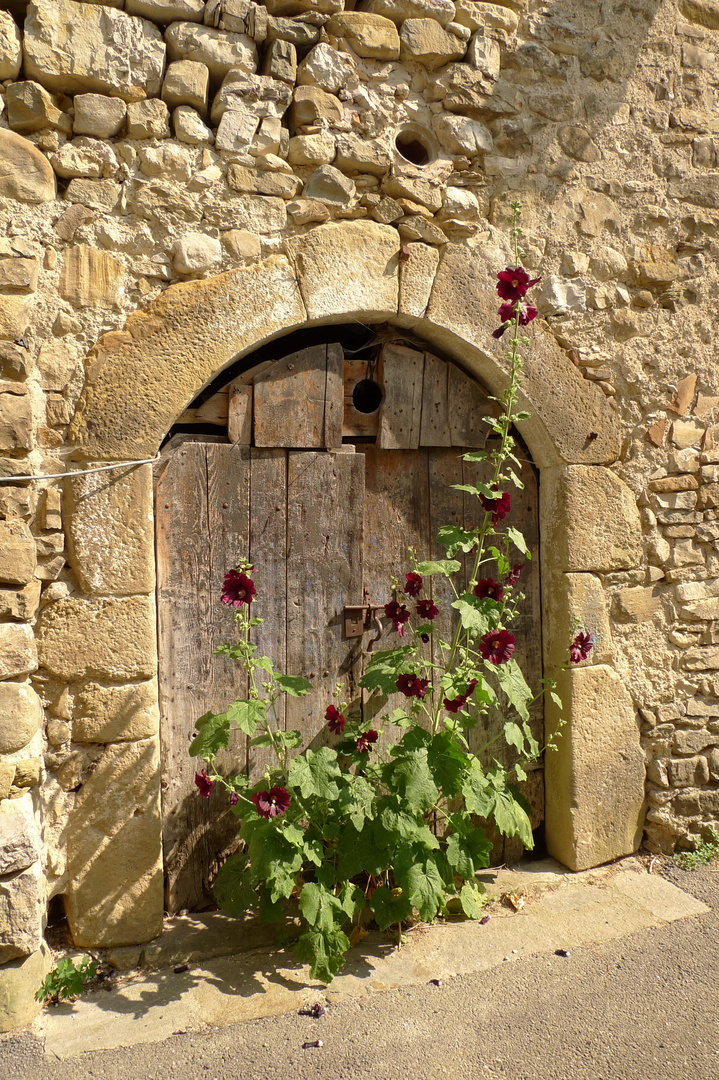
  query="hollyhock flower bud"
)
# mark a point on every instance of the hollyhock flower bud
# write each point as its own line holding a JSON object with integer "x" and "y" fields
{"x": 203, "y": 782}
{"x": 238, "y": 589}
{"x": 335, "y": 720}
{"x": 497, "y": 646}
{"x": 234, "y": 798}
{"x": 414, "y": 584}
{"x": 514, "y": 575}
{"x": 272, "y": 803}
{"x": 412, "y": 686}
{"x": 486, "y": 589}
{"x": 580, "y": 648}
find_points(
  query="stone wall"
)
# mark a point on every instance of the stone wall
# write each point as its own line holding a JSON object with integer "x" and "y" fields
{"x": 145, "y": 143}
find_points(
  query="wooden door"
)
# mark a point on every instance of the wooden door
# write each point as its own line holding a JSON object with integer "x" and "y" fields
{"x": 324, "y": 526}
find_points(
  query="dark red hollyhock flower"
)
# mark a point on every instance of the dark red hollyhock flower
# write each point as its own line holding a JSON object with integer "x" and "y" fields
{"x": 203, "y": 782}
{"x": 486, "y": 589}
{"x": 424, "y": 638}
{"x": 497, "y": 646}
{"x": 234, "y": 798}
{"x": 580, "y": 648}
{"x": 514, "y": 576}
{"x": 271, "y": 803}
{"x": 427, "y": 610}
{"x": 507, "y": 312}
{"x": 499, "y": 507}
{"x": 414, "y": 584}
{"x": 365, "y": 741}
{"x": 238, "y": 589}
{"x": 412, "y": 686}
{"x": 335, "y": 720}
{"x": 457, "y": 704}
{"x": 512, "y": 285}
{"x": 398, "y": 614}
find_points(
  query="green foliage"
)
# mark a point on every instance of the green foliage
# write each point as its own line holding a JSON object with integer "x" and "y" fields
{"x": 705, "y": 852}
{"x": 67, "y": 980}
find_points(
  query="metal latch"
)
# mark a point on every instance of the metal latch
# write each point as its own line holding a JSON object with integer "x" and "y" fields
{"x": 357, "y": 619}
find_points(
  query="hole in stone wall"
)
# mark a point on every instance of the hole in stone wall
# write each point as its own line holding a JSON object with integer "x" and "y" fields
{"x": 412, "y": 147}
{"x": 367, "y": 396}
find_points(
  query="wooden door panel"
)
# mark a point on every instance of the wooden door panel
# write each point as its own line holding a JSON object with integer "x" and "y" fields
{"x": 299, "y": 401}
{"x": 324, "y": 574}
{"x": 202, "y": 529}
{"x": 435, "y": 429}
{"x": 401, "y": 409}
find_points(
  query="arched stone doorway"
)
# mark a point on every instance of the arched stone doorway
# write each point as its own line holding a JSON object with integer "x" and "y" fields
{"x": 142, "y": 378}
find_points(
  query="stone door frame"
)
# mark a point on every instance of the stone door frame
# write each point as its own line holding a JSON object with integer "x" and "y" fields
{"x": 141, "y": 378}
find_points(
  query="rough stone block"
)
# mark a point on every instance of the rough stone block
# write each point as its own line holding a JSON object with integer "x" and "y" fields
{"x": 236, "y": 129}
{"x": 91, "y": 278}
{"x": 189, "y": 127}
{"x": 31, "y": 108}
{"x": 317, "y": 149}
{"x": 637, "y": 604}
{"x": 18, "y": 982}
{"x": 595, "y": 782}
{"x": 280, "y": 61}
{"x": 98, "y": 638}
{"x": 372, "y": 36}
{"x": 443, "y": 11}
{"x": 311, "y": 104}
{"x": 461, "y": 135}
{"x": 300, "y": 7}
{"x": 260, "y": 95}
{"x": 356, "y": 155}
{"x": 703, "y": 12}
{"x": 329, "y": 185}
{"x": 15, "y": 314}
{"x": 593, "y": 521}
{"x": 416, "y": 280}
{"x": 72, "y": 50}
{"x": 19, "y": 838}
{"x": 325, "y": 67}
{"x": 18, "y": 651}
{"x": 98, "y": 115}
{"x": 20, "y": 274}
{"x": 187, "y": 83}
{"x": 110, "y": 714}
{"x": 10, "y": 47}
{"x": 18, "y": 557}
{"x": 349, "y": 268}
{"x": 115, "y": 889}
{"x": 148, "y": 120}
{"x": 22, "y": 904}
{"x": 424, "y": 41}
{"x": 15, "y": 414}
{"x": 20, "y": 603}
{"x": 196, "y": 253}
{"x": 576, "y": 600}
{"x": 218, "y": 49}
{"x": 688, "y": 772}
{"x": 167, "y": 11}
{"x": 110, "y": 532}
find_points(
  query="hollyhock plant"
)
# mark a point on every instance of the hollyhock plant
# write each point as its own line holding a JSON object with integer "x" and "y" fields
{"x": 399, "y": 615}
{"x": 413, "y": 585}
{"x": 508, "y": 312}
{"x": 426, "y": 609}
{"x": 272, "y": 803}
{"x": 580, "y": 648}
{"x": 499, "y": 507}
{"x": 238, "y": 589}
{"x": 497, "y": 646}
{"x": 367, "y": 739}
{"x": 455, "y": 705}
{"x": 487, "y": 589}
{"x": 203, "y": 782}
{"x": 335, "y": 720}
{"x": 412, "y": 686}
{"x": 512, "y": 285}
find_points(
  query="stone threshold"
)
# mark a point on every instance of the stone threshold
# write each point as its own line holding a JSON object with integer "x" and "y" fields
{"x": 558, "y": 910}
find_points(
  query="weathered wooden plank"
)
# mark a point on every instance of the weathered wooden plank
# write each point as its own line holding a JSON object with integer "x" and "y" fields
{"x": 202, "y": 528}
{"x": 468, "y": 403}
{"x": 435, "y": 430}
{"x": 401, "y": 409}
{"x": 239, "y": 417}
{"x": 212, "y": 411}
{"x": 299, "y": 400}
{"x": 268, "y": 549}
{"x": 334, "y": 397}
{"x": 324, "y": 574}
{"x": 359, "y": 423}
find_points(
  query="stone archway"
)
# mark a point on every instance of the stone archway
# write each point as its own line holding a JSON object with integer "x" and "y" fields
{"x": 141, "y": 378}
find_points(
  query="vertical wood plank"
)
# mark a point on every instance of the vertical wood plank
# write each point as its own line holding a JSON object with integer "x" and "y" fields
{"x": 334, "y": 397}
{"x": 239, "y": 416}
{"x": 289, "y": 403}
{"x": 324, "y": 573}
{"x": 202, "y": 529}
{"x": 355, "y": 422}
{"x": 268, "y": 551}
{"x": 468, "y": 403}
{"x": 434, "y": 430}
{"x": 401, "y": 409}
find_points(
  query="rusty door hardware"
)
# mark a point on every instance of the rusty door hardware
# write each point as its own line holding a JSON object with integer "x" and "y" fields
{"x": 358, "y": 619}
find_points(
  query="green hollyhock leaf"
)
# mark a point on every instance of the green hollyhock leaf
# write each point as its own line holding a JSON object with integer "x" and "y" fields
{"x": 384, "y": 669}
{"x": 269, "y": 910}
{"x": 478, "y": 792}
{"x": 455, "y": 539}
{"x": 422, "y": 883}
{"x": 511, "y": 819}
{"x": 511, "y": 680}
{"x": 471, "y": 901}
{"x": 459, "y": 857}
{"x": 233, "y": 888}
{"x": 315, "y": 773}
{"x": 518, "y": 540}
{"x": 320, "y": 907}
{"x": 399, "y": 825}
{"x": 447, "y": 763}
{"x": 324, "y": 951}
{"x": 472, "y": 617}
{"x": 273, "y": 860}
{"x": 514, "y": 735}
{"x": 213, "y": 734}
{"x": 389, "y": 908}
{"x": 293, "y": 685}
{"x": 247, "y": 714}
{"x": 447, "y": 567}
{"x": 476, "y": 489}
{"x": 355, "y": 802}
{"x": 361, "y": 852}
{"x": 264, "y": 663}
{"x": 410, "y": 776}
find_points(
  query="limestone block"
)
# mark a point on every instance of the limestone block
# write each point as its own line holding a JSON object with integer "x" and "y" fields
{"x": 348, "y": 267}
{"x": 87, "y": 158}
{"x": 10, "y": 47}
{"x": 317, "y": 149}
{"x": 108, "y": 520}
{"x": 305, "y": 211}
{"x": 703, "y": 12}
{"x": 329, "y": 185}
{"x": 148, "y": 120}
{"x": 20, "y": 714}
{"x": 95, "y": 194}
{"x": 72, "y": 49}
{"x": 263, "y": 182}
{"x": 91, "y": 278}
{"x": 467, "y": 90}
{"x": 167, "y": 11}
{"x": 476, "y": 16}
{"x": 98, "y": 638}
{"x": 98, "y": 115}
{"x": 15, "y": 411}
{"x": 355, "y": 154}
{"x": 18, "y": 982}
{"x": 577, "y": 142}
{"x": 19, "y": 839}
{"x": 688, "y": 772}
{"x": 372, "y": 36}
{"x": 300, "y": 7}
{"x": 218, "y": 49}
{"x": 424, "y": 41}
{"x": 460, "y": 135}
{"x": 419, "y": 190}
{"x": 557, "y": 295}
{"x": 483, "y": 54}
{"x": 268, "y": 140}
{"x": 25, "y": 173}
{"x": 187, "y": 83}
{"x": 636, "y": 604}
{"x": 301, "y": 34}
{"x": 56, "y": 365}
{"x": 21, "y": 274}
{"x": 595, "y": 782}
{"x": 416, "y": 280}
{"x": 259, "y": 213}
{"x": 420, "y": 227}
{"x": 236, "y": 129}
{"x": 114, "y": 850}
{"x": 311, "y": 104}
{"x": 18, "y": 557}
{"x": 111, "y": 714}
{"x": 189, "y": 127}
{"x": 460, "y": 204}
{"x": 571, "y": 601}
{"x": 693, "y": 742}
{"x": 442, "y": 11}
{"x": 325, "y": 67}
{"x": 168, "y": 161}
{"x": 239, "y": 16}
{"x": 196, "y": 253}
{"x": 592, "y": 520}
{"x": 606, "y": 263}
{"x": 22, "y": 904}
{"x": 241, "y": 244}
{"x": 260, "y": 95}
{"x": 31, "y": 108}
{"x": 20, "y": 603}
{"x": 280, "y": 61}
{"x": 705, "y": 658}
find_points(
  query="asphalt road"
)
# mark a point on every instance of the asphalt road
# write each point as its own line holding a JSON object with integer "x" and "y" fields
{"x": 637, "y": 1008}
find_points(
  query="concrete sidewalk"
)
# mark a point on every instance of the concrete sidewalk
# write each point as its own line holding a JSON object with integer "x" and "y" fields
{"x": 557, "y": 911}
